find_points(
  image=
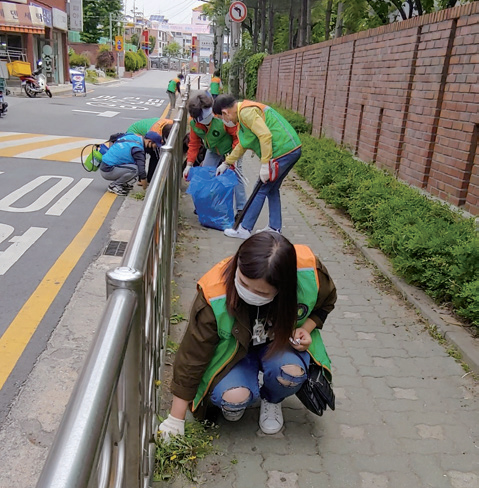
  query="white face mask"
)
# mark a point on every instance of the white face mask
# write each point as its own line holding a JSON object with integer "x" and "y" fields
{"x": 249, "y": 297}
{"x": 229, "y": 123}
{"x": 206, "y": 116}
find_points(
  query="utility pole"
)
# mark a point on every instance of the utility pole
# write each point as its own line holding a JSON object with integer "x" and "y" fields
{"x": 234, "y": 48}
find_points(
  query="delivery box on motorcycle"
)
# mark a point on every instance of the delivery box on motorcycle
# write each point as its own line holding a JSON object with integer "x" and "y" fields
{"x": 19, "y": 68}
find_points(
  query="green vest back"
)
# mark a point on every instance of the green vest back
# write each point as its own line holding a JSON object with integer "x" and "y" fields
{"x": 172, "y": 85}
{"x": 142, "y": 126}
{"x": 215, "y": 137}
{"x": 307, "y": 295}
{"x": 215, "y": 85}
{"x": 284, "y": 137}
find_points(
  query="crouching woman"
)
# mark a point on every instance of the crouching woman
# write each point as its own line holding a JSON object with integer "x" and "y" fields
{"x": 259, "y": 311}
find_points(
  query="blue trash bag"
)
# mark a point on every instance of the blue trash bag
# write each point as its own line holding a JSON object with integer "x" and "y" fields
{"x": 213, "y": 196}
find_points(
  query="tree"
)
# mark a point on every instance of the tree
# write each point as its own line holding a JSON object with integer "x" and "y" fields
{"x": 96, "y": 18}
{"x": 152, "y": 40}
{"x": 172, "y": 50}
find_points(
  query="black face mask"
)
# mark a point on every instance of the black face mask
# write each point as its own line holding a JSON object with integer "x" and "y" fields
{"x": 153, "y": 151}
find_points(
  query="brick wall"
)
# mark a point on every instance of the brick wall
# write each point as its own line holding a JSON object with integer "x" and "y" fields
{"x": 405, "y": 96}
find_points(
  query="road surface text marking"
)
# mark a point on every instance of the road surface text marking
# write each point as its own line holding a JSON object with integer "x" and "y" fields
{"x": 24, "y": 325}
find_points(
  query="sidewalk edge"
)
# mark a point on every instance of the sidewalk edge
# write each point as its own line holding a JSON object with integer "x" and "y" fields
{"x": 467, "y": 345}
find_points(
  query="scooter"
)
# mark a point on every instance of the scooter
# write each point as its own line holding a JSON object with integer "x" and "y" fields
{"x": 3, "y": 92}
{"x": 36, "y": 82}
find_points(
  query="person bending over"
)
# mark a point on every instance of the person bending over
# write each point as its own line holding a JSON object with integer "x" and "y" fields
{"x": 275, "y": 142}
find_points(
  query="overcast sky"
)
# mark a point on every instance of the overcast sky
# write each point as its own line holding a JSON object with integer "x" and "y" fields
{"x": 177, "y": 12}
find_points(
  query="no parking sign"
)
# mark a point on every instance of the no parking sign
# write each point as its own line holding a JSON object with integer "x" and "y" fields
{"x": 78, "y": 82}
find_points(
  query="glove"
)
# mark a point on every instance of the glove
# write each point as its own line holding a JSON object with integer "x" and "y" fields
{"x": 186, "y": 171}
{"x": 264, "y": 173}
{"x": 222, "y": 168}
{"x": 171, "y": 426}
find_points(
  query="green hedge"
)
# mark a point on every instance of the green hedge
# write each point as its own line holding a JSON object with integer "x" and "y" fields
{"x": 430, "y": 245}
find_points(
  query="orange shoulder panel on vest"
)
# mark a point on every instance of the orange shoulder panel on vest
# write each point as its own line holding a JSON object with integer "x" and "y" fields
{"x": 212, "y": 282}
{"x": 159, "y": 125}
{"x": 305, "y": 258}
{"x": 250, "y": 103}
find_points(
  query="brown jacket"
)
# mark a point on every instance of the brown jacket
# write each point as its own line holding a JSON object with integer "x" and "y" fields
{"x": 201, "y": 337}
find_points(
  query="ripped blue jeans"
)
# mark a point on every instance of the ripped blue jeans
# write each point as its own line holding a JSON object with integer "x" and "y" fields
{"x": 277, "y": 383}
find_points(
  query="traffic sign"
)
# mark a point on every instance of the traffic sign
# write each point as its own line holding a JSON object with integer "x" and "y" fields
{"x": 238, "y": 11}
{"x": 119, "y": 43}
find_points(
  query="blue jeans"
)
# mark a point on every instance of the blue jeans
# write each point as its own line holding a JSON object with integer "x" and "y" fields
{"x": 270, "y": 190}
{"x": 245, "y": 374}
{"x": 214, "y": 159}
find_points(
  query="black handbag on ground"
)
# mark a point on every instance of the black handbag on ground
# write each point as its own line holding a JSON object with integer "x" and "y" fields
{"x": 316, "y": 392}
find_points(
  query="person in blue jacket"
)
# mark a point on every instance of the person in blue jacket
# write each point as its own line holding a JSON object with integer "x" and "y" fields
{"x": 124, "y": 161}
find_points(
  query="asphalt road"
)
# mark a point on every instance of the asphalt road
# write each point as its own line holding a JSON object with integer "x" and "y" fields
{"x": 54, "y": 216}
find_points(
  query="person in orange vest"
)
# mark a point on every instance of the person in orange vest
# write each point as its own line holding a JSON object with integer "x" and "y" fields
{"x": 272, "y": 138}
{"x": 258, "y": 311}
{"x": 216, "y": 86}
{"x": 173, "y": 88}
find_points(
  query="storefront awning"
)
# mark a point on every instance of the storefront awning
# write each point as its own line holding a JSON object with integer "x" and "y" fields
{"x": 27, "y": 30}
{"x": 21, "y": 18}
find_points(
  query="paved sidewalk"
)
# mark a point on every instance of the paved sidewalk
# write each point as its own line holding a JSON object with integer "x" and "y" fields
{"x": 406, "y": 414}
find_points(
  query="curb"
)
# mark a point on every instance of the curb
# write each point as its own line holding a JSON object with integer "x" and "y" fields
{"x": 454, "y": 332}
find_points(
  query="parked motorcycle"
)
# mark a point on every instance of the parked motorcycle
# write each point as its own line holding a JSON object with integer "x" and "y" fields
{"x": 3, "y": 92}
{"x": 36, "y": 82}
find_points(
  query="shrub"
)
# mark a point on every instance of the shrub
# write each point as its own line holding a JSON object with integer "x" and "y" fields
{"x": 429, "y": 244}
{"x": 296, "y": 120}
{"x": 143, "y": 60}
{"x": 105, "y": 60}
{"x": 252, "y": 66}
{"x": 130, "y": 61}
{"x": 78, "y": 60}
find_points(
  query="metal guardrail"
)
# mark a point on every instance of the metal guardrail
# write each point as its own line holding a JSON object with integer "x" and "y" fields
{"x": 107, "y": 434}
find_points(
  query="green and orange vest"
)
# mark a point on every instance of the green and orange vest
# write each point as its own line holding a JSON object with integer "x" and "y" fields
{"x": 215, "y": 136}
{"x": 215, "y": 85}
{"x": 284, "y": 137}
{"x": 172, "y": 85}
{"x": 214, "y": 290}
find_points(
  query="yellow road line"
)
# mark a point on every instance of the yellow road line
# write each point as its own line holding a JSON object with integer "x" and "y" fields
{"x": 13, "y": 151}
{"x": 165, "y": 112}
{"x": 68, "y": 155}
{"x": 23, "y": 326}
{"x": 16, "y": 137}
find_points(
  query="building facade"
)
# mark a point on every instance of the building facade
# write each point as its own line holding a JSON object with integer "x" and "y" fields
{"x": 33, "y": 30}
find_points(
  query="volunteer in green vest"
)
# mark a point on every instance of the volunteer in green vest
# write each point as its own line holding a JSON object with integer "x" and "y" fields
{"x": 173, "y": 88}
{"x": 155, "y": 124}
{"x": 215, "y": 85}
{"x": 218, "y": 139}
{"x": 275, "y": 142}
{"x": 258, "y": 311}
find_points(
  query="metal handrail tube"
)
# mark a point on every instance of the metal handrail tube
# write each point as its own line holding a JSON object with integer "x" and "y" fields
{"x": 107, "y": 435}
{"x": 76, "y": 448}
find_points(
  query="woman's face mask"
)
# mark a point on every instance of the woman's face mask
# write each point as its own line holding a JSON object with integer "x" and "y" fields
{"x": 252, "y": 298}
{"x": 206, "y": 116}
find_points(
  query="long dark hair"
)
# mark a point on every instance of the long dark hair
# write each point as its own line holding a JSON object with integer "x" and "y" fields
{"x": 270, "y": 256}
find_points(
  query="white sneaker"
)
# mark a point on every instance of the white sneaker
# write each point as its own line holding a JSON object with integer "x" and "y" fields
{"x": 268, "y": 229}
{"x": 233, "y": 415}
{"x": 270, "y": 417}
{"x": 240, "y": 233}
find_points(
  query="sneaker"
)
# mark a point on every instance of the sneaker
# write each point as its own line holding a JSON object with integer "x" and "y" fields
{"x": 240, "y": 233}
{"x": 233, "y": 415}
{"x": 270, "y": 417}
{"x": 268, "y": 229}
{"x": 127, "y": 186}
{"x": 117, "y": 189}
